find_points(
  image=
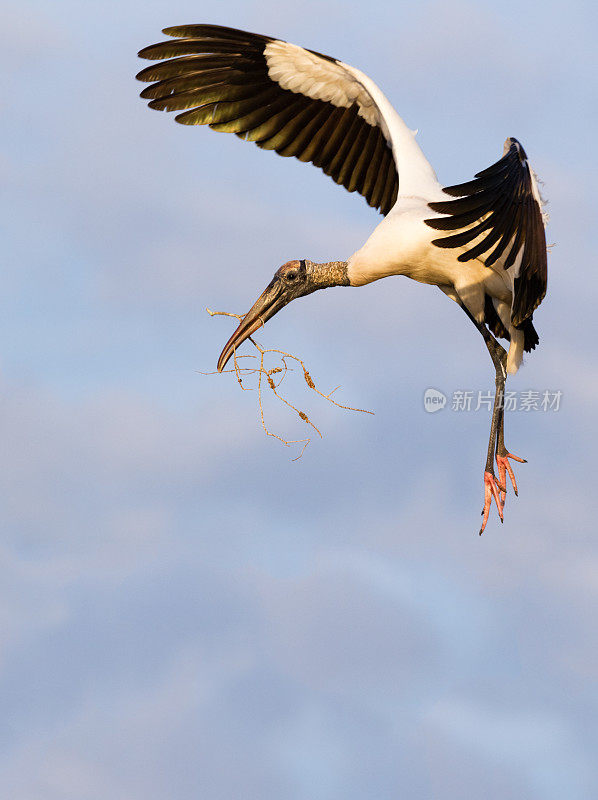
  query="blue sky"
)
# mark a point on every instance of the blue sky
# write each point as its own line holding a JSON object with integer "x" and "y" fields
{"x": 185, "y": 611}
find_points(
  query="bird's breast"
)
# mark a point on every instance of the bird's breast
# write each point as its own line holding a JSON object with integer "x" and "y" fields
{"x": 402, "y": 245}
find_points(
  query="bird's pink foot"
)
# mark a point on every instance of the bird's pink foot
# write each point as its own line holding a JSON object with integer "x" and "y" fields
{"x": 491, "y": 489}
{"x": 502, "y": 462}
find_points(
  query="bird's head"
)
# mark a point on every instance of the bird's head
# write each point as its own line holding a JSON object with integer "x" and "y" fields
{"x": 294, "y": 279}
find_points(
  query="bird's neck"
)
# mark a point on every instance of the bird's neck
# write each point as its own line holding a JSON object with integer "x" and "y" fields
{"x": 330, "y": 273}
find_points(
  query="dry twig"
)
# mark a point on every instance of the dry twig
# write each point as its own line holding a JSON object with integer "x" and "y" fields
{"x": 267, "y": 376}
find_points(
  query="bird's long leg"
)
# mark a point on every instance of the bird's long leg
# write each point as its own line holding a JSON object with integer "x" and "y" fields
{"x": 503, "y": 456}
{"x": 498, "y": 428}
{"x": 492, "y": 486}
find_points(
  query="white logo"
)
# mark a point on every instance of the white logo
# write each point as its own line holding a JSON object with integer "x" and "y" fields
{"x": 434, "y": 400}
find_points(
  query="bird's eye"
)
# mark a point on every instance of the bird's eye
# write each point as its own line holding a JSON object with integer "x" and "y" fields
{"x": 291, "y": 276}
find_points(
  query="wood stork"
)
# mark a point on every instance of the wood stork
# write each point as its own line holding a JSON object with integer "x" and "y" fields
{"x": 481, "y": 242}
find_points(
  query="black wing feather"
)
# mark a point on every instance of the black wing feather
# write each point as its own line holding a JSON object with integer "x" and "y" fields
{"x": 218, "y": 76}
{"x": 500, "y": 203}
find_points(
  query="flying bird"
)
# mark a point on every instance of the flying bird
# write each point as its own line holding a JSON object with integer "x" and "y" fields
{"x": 481, "y": 242}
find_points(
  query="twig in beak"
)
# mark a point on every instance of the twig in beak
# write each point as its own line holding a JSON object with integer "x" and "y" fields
{"x": 264, "y": 373}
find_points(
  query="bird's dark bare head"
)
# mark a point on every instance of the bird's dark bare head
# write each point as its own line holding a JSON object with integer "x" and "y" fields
{"x": 294, "y": 279}
{"x": 290, "y": 281}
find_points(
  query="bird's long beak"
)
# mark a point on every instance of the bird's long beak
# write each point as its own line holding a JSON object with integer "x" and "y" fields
{"x": 267, "y": 304}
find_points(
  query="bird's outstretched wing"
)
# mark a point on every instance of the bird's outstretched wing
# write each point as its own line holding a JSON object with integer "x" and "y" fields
{"x": 501, "y": 211}
{"x": 291, "y": 100}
